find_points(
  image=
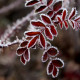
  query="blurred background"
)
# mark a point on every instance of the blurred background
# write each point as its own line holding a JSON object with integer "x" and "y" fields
{"x": 13, "y": 13}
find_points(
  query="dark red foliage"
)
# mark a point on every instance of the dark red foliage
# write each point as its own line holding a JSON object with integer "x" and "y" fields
{"x": 23, "y": 60}
{"x": 48, "y": 34}
{"x": 66, "y": 24}
{"x": 49, "y": 2}
{"x": 53, "y": 30}
{"x": 60, "y": 22}
{"x": 42, "y": 40}
{"x": 24, "y": 44}
{"x": 46, "y": 19}
{"x": 72, "y": 14}
{"x": 32, "y": 33}
{"x": 58, "y": 63}
{"x": 50, "y": 13}
{"x": 52, "y": 51}
{"x": 55, "y": 72}
{"x": 73, "y": 26}
{"x": 27, "y": 55}
{"x": 64, "y": 15}
{"x": 41, "y": 8}
{"x": 32, "y": 42}
{"x": 31, "y": 3}
{"x": 45, "y": 57}
{"x": 50, "y": 68}
{"x": 47, "y": 27}
{"x": 20, "y": 51}
{"x": 57, "y": 13}
{"x": 37, "y": 23}
{"x": 77, "y": 19}
{"x": 57, "y": 6}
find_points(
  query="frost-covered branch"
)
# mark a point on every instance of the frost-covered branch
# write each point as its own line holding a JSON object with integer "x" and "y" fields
{"x": 17, "y": 25}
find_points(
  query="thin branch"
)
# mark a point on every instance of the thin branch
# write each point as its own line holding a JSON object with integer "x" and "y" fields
{"x": 12, "y": 6}
{"x": 18, "y": 25}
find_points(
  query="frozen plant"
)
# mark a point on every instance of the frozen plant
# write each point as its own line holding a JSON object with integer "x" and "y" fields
{"x": 46, "y": 29}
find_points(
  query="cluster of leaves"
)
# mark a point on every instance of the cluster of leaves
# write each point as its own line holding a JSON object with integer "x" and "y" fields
{"x": 45, "y": 29}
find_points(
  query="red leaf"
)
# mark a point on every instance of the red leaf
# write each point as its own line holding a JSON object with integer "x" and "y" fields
{"x": 66, "y": 24}
{"x": 32, "y": 33}
{"x": 60, "y": 22}
{"x": 53, "y": 17}
{"x": 22, "y": 59}
{"x": 44, "y": 57}
{"x": 55, "y": 72}
{"x": 41, "y": 8}
{"x": 58, "y": 13}
{"x": 32, "y": 42}
{"x": 31, "y": 3}
{"x": 73, "y": 25}
{"x": 37, "y": 23}
{"x": 72, "y": 14}
{"x": 53, "y": 30}
{"x": 50, "y": 13}
{"x": 49, "y": 68}
{"x": 58, "y": 63}
{"x": 77, "y": 19}
{"x": 24, "y": 44}
{"x": 49, "y": 2}
{"x": 42, "y": 40}
{"x": 64, "y": 15}
{"x": 20, "y": 51}
{"x": 59, "y": 19}
{"x": 48, "y": 34}
{"x": 52, "y": 51}
{"x": 27, "y": 55}
{"x": 57, "y": 6}
{"x": 45, "y": 18}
